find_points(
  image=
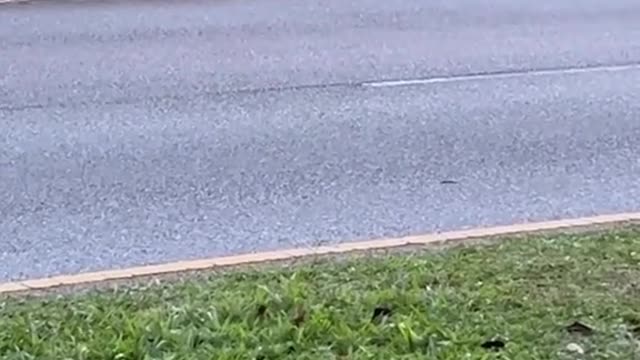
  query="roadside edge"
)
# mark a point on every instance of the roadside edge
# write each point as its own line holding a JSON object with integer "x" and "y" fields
{"x": 442, "y": 238}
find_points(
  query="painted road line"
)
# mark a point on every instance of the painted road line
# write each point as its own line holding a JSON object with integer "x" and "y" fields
{"x": 502, "y": 75}
{"x": 291, "y": 254}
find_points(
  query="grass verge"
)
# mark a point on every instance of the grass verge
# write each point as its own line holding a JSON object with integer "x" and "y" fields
{"x": 552, "y": 297}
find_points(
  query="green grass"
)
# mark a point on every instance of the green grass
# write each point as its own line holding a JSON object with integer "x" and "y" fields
{"x": 430, "y": 305}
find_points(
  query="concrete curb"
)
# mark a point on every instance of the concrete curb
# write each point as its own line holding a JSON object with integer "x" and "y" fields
{"x": 283, "y": 255}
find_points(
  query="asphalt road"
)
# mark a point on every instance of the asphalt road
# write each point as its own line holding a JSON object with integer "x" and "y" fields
{"x": 134, "y": 133}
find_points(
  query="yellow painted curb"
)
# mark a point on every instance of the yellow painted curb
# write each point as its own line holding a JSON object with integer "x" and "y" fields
{"x": 203, "y": 264}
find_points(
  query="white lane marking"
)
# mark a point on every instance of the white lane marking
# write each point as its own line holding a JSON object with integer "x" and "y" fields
{"x": 506, "y": 75}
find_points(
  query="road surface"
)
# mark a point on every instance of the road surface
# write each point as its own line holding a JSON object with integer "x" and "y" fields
{"x": 140, "y": 132}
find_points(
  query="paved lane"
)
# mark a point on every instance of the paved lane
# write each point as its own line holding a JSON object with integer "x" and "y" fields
{"x": 76, "y": 54}
{"x": 133, "y": 134}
